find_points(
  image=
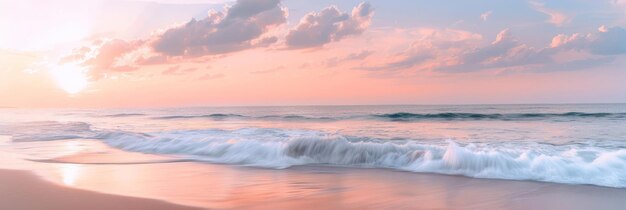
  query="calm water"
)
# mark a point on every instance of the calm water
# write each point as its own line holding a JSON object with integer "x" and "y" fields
{"x": 577, "y": 144}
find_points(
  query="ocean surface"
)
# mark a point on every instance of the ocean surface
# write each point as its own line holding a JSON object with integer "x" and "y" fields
{"x": 572, "y": 144}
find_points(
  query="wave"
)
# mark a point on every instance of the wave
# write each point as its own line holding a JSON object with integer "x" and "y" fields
{"x": 212, "y": 116}
{"x": 221, "y": 116}
{"x": 279, "y": 148}
{"x": 407, "y": 116}
{"x": 573, "y": 163}
{"x": 446, "y": 115}
{"x": 299, "y": 117}
{"x": 47, "y": 131}
{"x": 124, "y": 115}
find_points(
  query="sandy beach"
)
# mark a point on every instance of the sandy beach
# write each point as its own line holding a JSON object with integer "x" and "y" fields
{"x": 114, "y": 179}
{"x": 24, "y": 191}
{"x": 304, "y": 187}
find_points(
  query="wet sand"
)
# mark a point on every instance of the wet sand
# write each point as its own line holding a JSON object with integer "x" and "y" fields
{"x": 22, "y": 190}
{"x": 306, "y": 187}
{"x": 322, "y": 187}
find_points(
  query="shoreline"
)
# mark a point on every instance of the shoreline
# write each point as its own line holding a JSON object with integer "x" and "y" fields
{"x": 109, "y": 178}
{"x": 25, "y": 191}
{"x": 201, "y": 185}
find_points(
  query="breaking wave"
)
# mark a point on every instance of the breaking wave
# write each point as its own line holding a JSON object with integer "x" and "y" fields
{"x": 573, "y": 163}
{"x": 279, "y": 148}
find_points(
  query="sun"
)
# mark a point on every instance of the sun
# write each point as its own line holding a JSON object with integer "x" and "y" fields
{"x": 70, "y": 77}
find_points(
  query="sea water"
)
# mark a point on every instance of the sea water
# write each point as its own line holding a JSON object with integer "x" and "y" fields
{"x": 573, "y": 144}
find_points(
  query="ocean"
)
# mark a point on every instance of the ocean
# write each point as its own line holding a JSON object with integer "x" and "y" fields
{"x": 570, "y": 144}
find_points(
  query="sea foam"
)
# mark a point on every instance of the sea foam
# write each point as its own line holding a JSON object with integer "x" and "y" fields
{"x": 280, "y": 148}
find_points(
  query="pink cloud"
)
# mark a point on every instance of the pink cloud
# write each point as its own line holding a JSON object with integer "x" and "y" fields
{"x": 329, "y": 25}
{"x": 246, "y": 25}
{"x": 555, "y": 17}
{"x": 606, "y": 41}
{"x": 440, "y": 54}
{"x": 104, "y": 56}
{"x": 241, "y": 27}
{"x": 430, "y": 48}
{"x": 485, "y": 15}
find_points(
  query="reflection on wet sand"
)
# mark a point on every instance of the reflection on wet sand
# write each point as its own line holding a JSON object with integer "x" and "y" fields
{"x": 69, "y": 173}
{"x": 324, "y": 187}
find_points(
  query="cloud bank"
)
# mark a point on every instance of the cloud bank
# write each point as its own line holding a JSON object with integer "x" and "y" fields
{"x": 245, "y": 25}
{"x": 262, "y": 24}
{"x": 456, "y": 51}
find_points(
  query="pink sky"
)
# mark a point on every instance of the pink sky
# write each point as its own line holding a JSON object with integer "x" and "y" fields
{"x": 271, "y": 52}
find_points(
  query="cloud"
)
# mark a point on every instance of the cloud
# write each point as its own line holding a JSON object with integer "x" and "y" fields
{"x": 504, "y": 52}
{"x": 607, "y": 41}
{"x": 577, "y": 64}
{"x": 564, "y": 41}
{"x": 359, "y": 56}
{"x": 599, "y": 47}
{"x": 110, "y": 51}
{"x": 241, "y": 27}
{"x": 251, "y": 24}
{"x": 431, "y": 48}
{"x": 171, "y": 70}
{"x": 434, "y": 53}
{"x": 485, "y": 15}
{"x": 245, "y": 25}
{"x": 104, "y": 56}
{"x": 407, "y": 62}
{"x": 503, "y": 43}
{"x": 329, "y": 25}
{"x": 557, "y": 18}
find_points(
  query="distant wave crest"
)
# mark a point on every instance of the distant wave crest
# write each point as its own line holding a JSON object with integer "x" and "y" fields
{"x": 124, "y": 115}
{"x": 47, "y": 130}
{"x": 407, "y": 116}
{"x": 213, "y": 116}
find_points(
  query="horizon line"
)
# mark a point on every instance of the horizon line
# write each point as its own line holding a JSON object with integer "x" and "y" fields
{"x": 316, "y": 105}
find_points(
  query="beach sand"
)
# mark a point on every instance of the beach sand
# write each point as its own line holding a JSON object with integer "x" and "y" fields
{"x": 305, "y": 187}
{"x": 20, "y": 190}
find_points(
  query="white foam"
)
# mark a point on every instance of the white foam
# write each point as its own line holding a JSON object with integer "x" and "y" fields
{"x": 281, "y": 148}
{"x": 47, "y": 130}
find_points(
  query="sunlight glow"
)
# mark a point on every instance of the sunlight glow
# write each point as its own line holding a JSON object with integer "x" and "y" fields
{"x": 70, "y": 77}
{"x": 69, "y": 173}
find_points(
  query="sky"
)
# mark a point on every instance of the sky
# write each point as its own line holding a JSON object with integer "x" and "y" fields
{"x": 168, "y": 53}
